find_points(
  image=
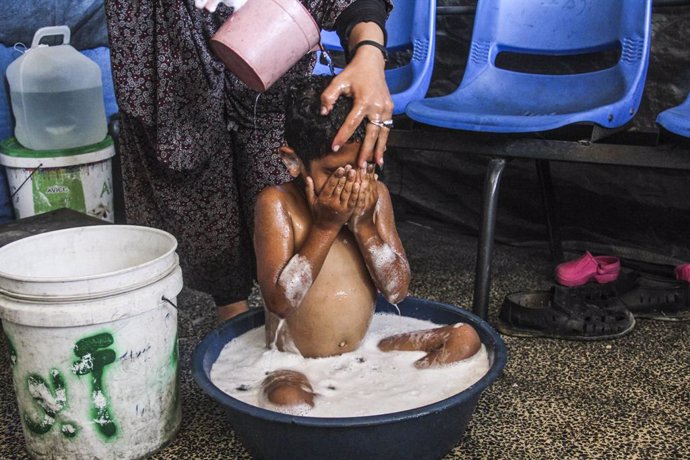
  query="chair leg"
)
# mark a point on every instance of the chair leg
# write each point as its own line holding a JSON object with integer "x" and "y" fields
{"x": 549, "y": 200}
{"x": 114, "y": 127}
{"x": 485, "y": 247}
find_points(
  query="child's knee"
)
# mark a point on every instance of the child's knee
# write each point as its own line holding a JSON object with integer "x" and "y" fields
{"x": 460, "y": 341}
{"x": 288, "y": 388}
{"x": 465, "y": 341}
{"x": 286, "y": 395}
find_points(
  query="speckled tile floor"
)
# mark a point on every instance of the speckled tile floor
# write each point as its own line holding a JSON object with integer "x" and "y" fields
{"x": 620, "y": 399}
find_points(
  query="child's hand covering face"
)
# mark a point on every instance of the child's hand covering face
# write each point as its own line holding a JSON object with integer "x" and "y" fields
{"x": 363, "y": 214}
{"x": 334, "y": 204}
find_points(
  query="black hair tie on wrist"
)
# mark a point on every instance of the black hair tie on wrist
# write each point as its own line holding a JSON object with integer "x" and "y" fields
{"x": 371, "y": 43}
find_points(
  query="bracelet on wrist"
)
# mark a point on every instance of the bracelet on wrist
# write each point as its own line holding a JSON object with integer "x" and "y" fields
{"x": 377, "y": 45}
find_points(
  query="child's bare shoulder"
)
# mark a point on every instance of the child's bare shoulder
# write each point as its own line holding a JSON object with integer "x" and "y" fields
{"x": 283, "y": 196}
{"x": 283, "y": 193}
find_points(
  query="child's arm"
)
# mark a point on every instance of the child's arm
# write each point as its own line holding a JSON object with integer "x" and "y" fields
{"x": 373, "y": 225}
{"x": 284, "y": 273}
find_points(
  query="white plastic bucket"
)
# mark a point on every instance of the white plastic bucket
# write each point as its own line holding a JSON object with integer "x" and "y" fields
{"x": 44, "y": 180}
{"x": 88, "y": 313}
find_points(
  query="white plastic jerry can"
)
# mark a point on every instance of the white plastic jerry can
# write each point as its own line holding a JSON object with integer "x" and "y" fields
{"x": 57, "y": 95}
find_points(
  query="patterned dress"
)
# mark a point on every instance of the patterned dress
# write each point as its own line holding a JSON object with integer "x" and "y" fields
{"x": 196, "y": 145}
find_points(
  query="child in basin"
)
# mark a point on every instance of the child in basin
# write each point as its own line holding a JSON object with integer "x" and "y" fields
{"x": 325, "y": 243}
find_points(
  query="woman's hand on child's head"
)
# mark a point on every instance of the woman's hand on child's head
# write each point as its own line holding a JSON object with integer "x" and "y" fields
{"x": 336, "y": 200}
{"x": 364, "y": 80}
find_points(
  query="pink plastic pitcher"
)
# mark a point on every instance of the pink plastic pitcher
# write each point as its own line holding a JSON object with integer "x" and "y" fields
{"x": 264, "y": 39}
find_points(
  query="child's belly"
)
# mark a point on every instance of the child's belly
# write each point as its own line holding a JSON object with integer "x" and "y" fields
{"x": 337, "y": 311}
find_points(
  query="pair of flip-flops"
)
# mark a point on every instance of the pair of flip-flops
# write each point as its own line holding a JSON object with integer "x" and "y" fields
{"x": 604, "y": 306}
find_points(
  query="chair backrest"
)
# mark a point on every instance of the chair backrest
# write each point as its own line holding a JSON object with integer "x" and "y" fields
{"x": 677, "y": 119}
{"x": 411, "y": 25}
{"x": 560, "y": 28}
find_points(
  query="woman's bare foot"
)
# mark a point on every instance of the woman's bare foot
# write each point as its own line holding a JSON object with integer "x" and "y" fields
{"x": 288, "y": 388}
{"x": 226, "y": 312}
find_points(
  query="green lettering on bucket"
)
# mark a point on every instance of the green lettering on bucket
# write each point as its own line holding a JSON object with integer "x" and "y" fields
{"x": 106, "y": 189}
{"x": 69, "y": 430}
{"x": 94, "y": 342}
{"x": 94, "y": 356}
{"x": 50, "y": 399}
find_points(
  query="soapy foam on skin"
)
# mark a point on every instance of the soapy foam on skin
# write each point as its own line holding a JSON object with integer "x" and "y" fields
{"x": 281, "y": 221}
{"x": 296, "y": 280}
{"x": 384, "y": 257}
{"x": 287, "y": 344}
{"x": 365, "y": 381}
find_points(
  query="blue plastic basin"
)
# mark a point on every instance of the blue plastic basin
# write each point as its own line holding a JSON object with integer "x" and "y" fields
{"x": 427, "y": 432}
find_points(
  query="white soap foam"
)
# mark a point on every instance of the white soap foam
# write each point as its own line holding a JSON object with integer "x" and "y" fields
{"x": 384, "y": 257}
{"x": 296, "y": 279}
{"x": 366, "y": 381}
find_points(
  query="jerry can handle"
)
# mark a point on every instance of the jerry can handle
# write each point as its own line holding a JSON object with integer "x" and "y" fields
{"x": 50, "y": 31}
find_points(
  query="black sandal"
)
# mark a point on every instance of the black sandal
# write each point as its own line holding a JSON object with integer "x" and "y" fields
{"x": 589, "y": 313}
{"x": 658, "y": 298}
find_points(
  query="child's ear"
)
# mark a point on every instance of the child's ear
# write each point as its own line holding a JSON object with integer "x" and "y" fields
{"x": 291, "y": 161}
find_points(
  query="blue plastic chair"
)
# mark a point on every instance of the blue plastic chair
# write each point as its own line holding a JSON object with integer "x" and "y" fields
{"x": 412, "y": 24}
{"x": 676, "y": 119}
{"x": 493, "y": 99}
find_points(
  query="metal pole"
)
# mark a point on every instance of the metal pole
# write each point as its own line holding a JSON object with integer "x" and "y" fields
{"x": 482, "y": 280}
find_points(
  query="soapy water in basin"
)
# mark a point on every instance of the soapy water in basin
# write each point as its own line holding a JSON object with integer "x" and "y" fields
{"x": 364, "y": 382}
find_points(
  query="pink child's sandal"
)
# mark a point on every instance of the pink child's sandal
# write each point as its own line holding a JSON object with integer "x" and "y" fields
{"x": 576, "y": 272}
{"x": 683, "y": 272}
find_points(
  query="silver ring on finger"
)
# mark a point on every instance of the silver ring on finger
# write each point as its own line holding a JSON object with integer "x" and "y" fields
{"x": 388, "y": 124}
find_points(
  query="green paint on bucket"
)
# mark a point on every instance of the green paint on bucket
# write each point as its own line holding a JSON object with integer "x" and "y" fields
{"x": 50, "y": 398}
{"x": 95, "y": 356}
{"x": 94, "y": 342}
{"x": 69, "y": 430}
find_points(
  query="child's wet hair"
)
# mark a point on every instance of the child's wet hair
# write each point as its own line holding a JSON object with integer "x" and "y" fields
{"x": 307, "y": 132}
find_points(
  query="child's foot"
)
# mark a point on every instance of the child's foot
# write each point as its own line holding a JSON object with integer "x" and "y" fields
{"x": 444, "y": 345}
{"x": 226, "y": 312}
{"x": 288, "y": 388}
